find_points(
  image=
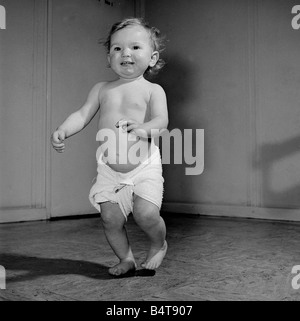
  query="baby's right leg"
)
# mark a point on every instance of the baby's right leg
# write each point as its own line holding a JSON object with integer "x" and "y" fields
{"x": 114, "y": 227}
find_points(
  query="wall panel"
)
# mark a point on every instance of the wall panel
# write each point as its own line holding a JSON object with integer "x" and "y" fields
{"x": 22, "y": 109}
{"x": 233, "y": 71}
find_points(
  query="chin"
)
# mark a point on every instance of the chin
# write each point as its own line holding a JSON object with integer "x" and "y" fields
{"x": 129, "y": 77}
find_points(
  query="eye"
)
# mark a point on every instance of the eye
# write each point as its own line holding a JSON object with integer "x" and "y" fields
{"x": 136, "y": 47}
{"x": 116, "y": 48}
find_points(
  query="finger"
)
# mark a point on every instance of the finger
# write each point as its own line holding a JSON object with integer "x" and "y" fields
{"x": 139, "y": 132}
{"x": 123, "y": 125}
{"x": 60, "y": 150}
{"x": 58, "y": 145}
{"x": 130, "y": 122}
{"x": 131, "y": 127}
{"x": 121, "y": 122}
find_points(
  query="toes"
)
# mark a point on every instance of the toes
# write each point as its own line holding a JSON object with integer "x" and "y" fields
{"x": 152, "y": 266}
{"x": 114, "y": 271}
{"x": 149, "y": 265}
{"x": 122, "y": 268}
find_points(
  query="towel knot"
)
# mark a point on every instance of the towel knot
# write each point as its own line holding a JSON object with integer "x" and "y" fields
{"x": 122, "y": 184}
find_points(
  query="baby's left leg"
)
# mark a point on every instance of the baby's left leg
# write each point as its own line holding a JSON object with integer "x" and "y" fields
{"x": 147, "y": 216}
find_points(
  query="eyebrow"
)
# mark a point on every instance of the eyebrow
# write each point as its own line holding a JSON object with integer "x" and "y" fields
{"x": 132, "y": 43}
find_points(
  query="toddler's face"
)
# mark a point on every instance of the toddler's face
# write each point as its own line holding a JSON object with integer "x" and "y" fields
{"x": 131, "y": 52}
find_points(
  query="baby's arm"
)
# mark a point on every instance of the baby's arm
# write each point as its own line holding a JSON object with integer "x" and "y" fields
{"x": 77, "y": 120}
{"x": 159, "y": 116}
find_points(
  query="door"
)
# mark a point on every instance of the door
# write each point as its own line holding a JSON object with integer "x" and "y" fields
{"x": 49, "y": 60}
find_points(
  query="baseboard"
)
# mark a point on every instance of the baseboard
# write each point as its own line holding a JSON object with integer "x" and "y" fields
{"x": 22, "y": 214}
{"x": 281, "y": 214}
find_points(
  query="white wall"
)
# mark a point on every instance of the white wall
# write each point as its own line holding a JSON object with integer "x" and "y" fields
{"x": 233, "y": 70}
{"x": 49, "y": 60}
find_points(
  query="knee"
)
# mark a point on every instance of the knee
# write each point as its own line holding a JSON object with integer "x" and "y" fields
{"x": 112, "y": 220}
{"x": 146, "y": 215}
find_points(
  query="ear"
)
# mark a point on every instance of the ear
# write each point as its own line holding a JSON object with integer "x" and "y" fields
{"x": 154, "y": 58}
{"x": 108, "y": 59}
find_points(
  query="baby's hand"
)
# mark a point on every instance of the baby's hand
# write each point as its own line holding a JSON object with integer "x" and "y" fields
{"x": 57, "y": 140}
{"x": 131, "y": 126}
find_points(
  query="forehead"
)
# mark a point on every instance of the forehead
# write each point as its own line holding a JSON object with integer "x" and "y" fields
{"x": 131, "y": 33}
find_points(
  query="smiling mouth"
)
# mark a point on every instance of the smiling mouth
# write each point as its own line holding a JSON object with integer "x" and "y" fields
{"x": 127, "y": 63}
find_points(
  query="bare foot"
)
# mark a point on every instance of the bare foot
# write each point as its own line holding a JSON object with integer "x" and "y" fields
{"x": 125, "y": 266}
{"x": 155, "y": 259}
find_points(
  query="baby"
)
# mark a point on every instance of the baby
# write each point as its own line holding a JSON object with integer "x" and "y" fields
{"x": 132, "y": 111}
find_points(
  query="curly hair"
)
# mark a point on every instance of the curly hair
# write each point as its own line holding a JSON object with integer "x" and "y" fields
{"x": 157, "y": 40}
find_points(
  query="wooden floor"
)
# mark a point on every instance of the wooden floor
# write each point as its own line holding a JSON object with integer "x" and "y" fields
{"x": 208, "y": 259}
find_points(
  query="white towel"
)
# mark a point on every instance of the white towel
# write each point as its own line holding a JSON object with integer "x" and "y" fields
{"x": 145, "y": 181}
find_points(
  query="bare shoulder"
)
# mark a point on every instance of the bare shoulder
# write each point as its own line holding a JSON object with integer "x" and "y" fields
{"x": 97, "y": 87}
{"x": 157, "y": 91}
{"x": 96, "y": 91}
{"x": 156, "y": 88}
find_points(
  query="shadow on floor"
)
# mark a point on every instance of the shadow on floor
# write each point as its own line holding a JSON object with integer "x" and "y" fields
{"x": 38, "y": 267}
{"x": 34, "y": 267}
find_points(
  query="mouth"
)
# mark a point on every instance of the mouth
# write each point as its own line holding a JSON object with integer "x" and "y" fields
{"x": 127, "y": 63}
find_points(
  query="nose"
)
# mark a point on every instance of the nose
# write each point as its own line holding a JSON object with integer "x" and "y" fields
{"x": 126, "y": 52}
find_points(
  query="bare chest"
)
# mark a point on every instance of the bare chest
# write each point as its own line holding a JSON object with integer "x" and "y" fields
{"x": 125, "y": 100}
